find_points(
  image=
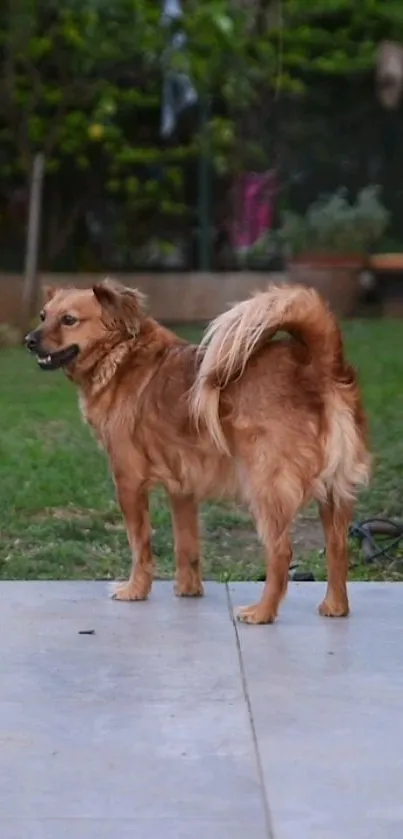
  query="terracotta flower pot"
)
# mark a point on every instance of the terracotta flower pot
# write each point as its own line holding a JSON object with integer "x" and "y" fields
{"x": 388, "y": 270}
{"x": 386, "y": 262}
{"x": 335, "y": 277}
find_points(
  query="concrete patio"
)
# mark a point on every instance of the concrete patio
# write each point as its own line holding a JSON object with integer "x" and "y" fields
{"x": 170, "y": 722}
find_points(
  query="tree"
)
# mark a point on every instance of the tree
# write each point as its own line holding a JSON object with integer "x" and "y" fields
{"x": 82, "y": 81}
{"x": 331, "y": 131}
{"x": 62, "y": 92}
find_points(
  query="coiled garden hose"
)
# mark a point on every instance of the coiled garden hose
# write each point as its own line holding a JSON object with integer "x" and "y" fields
{"x": 365, "y": 532}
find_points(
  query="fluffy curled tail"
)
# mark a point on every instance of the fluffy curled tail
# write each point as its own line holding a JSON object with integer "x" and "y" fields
{"x": 235, "y": 336}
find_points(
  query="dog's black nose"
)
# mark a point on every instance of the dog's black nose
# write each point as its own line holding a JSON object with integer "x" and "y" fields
{"x": 31, "y": 341}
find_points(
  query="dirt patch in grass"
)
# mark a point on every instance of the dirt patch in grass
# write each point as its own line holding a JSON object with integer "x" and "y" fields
{"x": 307, "y": 534}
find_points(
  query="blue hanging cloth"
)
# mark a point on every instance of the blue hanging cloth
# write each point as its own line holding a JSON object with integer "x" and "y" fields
{"x": 178, "y": 92}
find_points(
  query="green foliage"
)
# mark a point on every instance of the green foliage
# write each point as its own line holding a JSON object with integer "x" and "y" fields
{"x": 81, "y": 73}
{"x": 333, "y": 225}
{"x": 82, "y": 81}
{"x": 62, "y": 91}
{"x": 335, "y": 38}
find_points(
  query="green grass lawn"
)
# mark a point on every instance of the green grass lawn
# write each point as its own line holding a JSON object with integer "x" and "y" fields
{"x": 58, "y": 516}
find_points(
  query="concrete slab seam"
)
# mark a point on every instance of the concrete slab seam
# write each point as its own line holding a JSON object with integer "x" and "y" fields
{"x": 266, "y": 806}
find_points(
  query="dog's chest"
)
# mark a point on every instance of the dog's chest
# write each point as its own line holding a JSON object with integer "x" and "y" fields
{"x": 83, "y": 406}
{"x": 89, "y": 416}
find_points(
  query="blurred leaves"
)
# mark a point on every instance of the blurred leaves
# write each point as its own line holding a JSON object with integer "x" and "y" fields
{"x": 83, "y": 80}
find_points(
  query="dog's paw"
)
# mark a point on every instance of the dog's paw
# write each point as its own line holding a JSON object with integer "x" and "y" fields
{"x": 256, "y": 614}
{"x": 328, "y": 609}
{"x": 129, "y": 591}
{"x": 189, "y": 588}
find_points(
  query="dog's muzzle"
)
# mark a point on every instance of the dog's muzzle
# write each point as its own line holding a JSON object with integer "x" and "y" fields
{"x": 49, "y": 360}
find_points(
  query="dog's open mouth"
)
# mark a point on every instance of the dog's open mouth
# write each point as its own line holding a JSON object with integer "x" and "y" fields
{"x": 60, "y": 358}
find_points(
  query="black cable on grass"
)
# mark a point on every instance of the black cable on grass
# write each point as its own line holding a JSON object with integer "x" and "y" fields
{"x": 365, "y": 531}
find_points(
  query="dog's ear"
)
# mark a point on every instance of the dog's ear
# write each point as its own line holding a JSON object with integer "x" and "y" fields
{"x": 48, "y": 292}
{"x": 122, "y": 306}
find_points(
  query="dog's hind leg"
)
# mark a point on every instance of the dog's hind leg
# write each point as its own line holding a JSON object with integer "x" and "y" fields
{"x": 185, "y": 522}
{"x": 336, "y": 519}
{"x": 133, "y": 502}
{"x": 274, "y": 512}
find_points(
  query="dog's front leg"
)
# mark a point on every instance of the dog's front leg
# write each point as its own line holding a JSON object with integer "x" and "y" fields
{"x": 133, "y": 500}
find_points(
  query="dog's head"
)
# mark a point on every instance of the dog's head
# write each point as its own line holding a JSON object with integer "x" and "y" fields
{"x": 73, "y": 320}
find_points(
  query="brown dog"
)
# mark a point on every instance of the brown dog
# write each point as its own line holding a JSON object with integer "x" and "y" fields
{"x": 276, "y": 423}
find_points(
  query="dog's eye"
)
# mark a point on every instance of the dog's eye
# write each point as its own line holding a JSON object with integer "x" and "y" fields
{"x": 42, "y": 315}
{"x": 68, "y": 320}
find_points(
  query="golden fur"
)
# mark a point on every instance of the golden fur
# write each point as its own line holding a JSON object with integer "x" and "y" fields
{"x": 275, "y": 423}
